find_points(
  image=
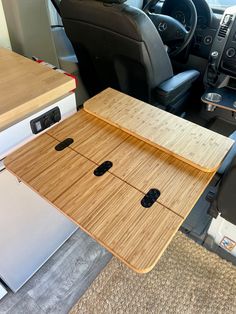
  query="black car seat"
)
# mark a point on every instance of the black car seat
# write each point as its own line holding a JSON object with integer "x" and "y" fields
{"x": 117, "y": 45}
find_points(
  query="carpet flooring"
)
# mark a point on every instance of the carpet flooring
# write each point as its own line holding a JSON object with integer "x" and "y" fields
{"x": 187, "y": 279}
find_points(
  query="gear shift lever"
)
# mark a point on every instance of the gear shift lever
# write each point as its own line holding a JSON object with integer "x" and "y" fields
{"x": 212, "y": 68}
{"x": 213, "y": 58}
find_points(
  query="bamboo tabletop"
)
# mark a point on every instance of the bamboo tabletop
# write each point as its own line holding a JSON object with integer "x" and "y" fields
{"x": 139, "y": 164}
{"x": 110, "y": 207}
{"x": 191, "y": 143}
{"x": 26, "y": 87}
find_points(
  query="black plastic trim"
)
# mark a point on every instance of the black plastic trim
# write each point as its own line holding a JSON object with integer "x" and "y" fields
{"x": 64, "y": 144}
{"x": 103, "y": 168}
{"x": 150, "y": 198}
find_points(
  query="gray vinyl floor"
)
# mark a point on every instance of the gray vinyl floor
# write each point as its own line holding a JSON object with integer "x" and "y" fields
{"x": 57, "y": 286}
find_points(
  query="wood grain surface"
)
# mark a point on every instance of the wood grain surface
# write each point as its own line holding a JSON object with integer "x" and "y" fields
{"x": 140, "y": 164}
{"x": 184, "y": 140}
{"x": 145, "y": 167}
{"x": 26, "y": 87}
{"x": 110, "y": 211}
{"x": 106, "y": 207}
{"x": 109, "y": 207}
{"x": 93, "y": 138}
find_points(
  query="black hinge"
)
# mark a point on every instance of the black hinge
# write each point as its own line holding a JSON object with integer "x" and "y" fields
{"x": 213, "y": 210}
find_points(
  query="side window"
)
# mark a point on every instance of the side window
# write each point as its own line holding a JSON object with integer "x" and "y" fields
{"x": 220, "y": 4}
{"x": 135, "y": 3}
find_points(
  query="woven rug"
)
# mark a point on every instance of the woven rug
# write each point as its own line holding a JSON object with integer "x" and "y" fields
{"x": 187, "y": 279}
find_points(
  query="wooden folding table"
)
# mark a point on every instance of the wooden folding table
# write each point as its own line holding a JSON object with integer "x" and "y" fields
{"x": 126, "y": 172}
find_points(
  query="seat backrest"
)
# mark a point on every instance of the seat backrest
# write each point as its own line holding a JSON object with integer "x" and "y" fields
{"x": 117, "y": 45}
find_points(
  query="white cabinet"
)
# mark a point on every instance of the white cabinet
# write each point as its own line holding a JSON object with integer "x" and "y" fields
{"x": 31, "y": 230}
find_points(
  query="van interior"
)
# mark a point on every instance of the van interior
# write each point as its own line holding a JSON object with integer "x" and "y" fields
{"x": 178, "y": 57}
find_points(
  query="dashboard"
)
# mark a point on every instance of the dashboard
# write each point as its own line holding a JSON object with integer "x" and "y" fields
{"x": 214, "y": 38}
{"x": 180, "y": 11}
{"x": 224, "y": 45}
{"x": 207, "y": 23}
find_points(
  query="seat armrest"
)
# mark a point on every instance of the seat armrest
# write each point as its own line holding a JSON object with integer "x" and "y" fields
{"x": 172, "y": 89}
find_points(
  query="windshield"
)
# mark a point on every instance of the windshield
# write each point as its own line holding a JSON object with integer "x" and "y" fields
{"x": 221, "y": 4}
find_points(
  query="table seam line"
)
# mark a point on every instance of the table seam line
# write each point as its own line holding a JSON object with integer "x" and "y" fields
{"x": 123, "y": 180}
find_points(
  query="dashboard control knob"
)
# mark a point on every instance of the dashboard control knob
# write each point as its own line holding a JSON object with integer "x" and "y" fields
{"x": 208, "y": 40}
{"x": 230, "y": 53}
{"x": 214, "y": 54}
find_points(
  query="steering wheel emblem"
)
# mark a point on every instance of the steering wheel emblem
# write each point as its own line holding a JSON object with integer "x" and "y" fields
{"x": 162, "y": 26}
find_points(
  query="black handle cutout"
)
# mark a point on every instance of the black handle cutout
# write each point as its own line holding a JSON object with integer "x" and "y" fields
{"x": 67, "y": 142}
{"x": 103, "y": 168}
{"x": 150, "y": 198}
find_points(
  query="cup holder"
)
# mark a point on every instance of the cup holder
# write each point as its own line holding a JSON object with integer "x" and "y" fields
{"x": 213, "y": 97}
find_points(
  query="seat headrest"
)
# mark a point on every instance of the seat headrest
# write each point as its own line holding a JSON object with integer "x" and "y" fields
{"x": 112, "y": 1}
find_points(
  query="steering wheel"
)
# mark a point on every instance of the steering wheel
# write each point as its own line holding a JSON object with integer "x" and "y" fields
{"x": 172, "y": 32}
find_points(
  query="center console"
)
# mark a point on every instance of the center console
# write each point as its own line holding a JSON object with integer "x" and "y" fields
{"x": 222, "y": 62}
{"x": 220, "y": 76}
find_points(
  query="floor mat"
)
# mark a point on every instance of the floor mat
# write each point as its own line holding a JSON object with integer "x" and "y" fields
{"x": 222, "y": 126}
{"x": 187, "y": 279}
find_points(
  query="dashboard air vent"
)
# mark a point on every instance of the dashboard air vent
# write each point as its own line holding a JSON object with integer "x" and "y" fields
{"x": 223, "y": 31}
{"x": 225, "y": 25}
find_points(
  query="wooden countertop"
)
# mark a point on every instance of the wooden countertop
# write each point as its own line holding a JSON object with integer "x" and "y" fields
{"x": 109, "y": 207}
{"x": 26, "y": 87}
{"x": 195, "y": 145}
